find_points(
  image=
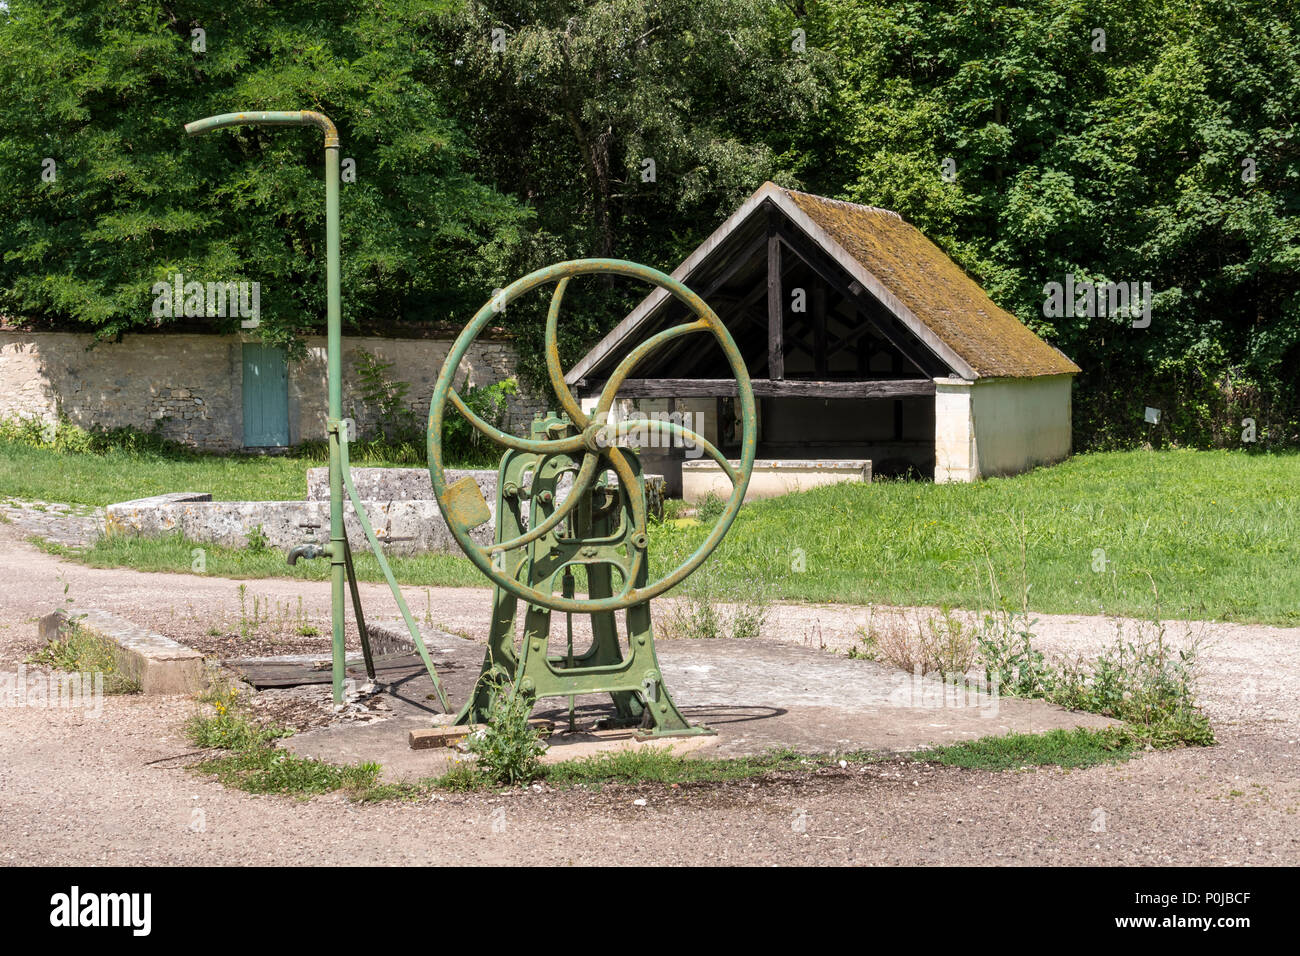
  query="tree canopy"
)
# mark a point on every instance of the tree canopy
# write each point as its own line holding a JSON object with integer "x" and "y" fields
{"x": 1137, "y": 141}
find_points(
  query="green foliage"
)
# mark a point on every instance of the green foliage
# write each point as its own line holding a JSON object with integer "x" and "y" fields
{"x": 254, "y": 764}
{"x": 704, "y": 608}
{"x": 1142, "y": 682}
{"x": 477, "y": 162}
{"x": 104, "y": 467}
{"x": 1117, "y": 165}
{"x": 103, "y": 89}
{"x": 710, "y": 508}
{"x": 398, "y": 421}
{"x": 507, "y": 749}
{"x": 1007, "y": 653}
{"x": 67, "y": 438}
{"x": 1080, "y": 747}
{"x": 662, "y": 765}
{"x": 175, "y": 554}
{"x": 229, "y": 727}
{"x": 461, "y": 441}
{"x": 257, "y": 540}
{"x": 584, "y": 91}
{"x": 462, "y": 777}
{"x": 271, "y": 770}
{"x": 1218, "y": 530}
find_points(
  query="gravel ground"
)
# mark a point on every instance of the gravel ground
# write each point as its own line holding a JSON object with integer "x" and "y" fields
{"x": 82, "y": 789}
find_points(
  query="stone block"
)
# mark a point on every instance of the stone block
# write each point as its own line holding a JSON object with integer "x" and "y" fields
{"x": 157, "y": 663}
{"x": 770, "y": 477}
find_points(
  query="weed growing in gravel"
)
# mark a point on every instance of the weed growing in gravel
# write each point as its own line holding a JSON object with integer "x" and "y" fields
{"x": 663, "y": 765}
{"x": 270, "y": 770}
{"x": 508, "y": 750}
{"x": 229, "y": 726}
{"x": 707, "y": 610}
{"x": 945, "y": 644}
{"x": 1141, "y": 682}
{"x": 254, "y": 764}
{"x": 462, "y": 776}
{"x": 81, "y": 651}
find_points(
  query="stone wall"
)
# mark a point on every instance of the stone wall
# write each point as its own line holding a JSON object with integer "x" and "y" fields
{"x": 402, "y": 527}
{"x": 192, "y": 383}
{"x": 415, "y": 361}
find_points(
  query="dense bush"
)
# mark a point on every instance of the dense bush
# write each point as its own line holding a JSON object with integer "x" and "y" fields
{"x": 64, "y": 436}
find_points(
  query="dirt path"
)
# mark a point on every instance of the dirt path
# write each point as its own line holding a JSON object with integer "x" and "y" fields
{"x": 79, "y": 789}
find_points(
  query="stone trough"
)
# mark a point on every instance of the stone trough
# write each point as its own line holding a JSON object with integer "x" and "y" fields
{"x": 398, "y": 501}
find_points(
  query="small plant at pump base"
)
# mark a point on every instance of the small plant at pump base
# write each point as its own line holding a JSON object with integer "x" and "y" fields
{"x": 507, "y": 749}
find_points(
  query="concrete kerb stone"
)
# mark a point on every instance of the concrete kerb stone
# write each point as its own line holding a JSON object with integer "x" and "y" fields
{"x": 157, "y": 663}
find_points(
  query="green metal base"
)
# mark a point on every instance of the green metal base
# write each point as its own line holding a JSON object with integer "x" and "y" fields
{"x": 594, "y": 542}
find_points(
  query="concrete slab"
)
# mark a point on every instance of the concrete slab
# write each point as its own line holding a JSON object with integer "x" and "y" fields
{"x": 757, "y": 695}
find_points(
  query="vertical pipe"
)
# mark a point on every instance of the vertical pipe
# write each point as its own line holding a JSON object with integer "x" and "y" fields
{"x": 334, "y": 349}
{"x": 334, "y": 318}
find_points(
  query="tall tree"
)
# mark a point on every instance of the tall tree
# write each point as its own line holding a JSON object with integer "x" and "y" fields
{"x": 105, "y": 195}
{"x": 1115, "y": 141}
{"x": 632, "y": 127}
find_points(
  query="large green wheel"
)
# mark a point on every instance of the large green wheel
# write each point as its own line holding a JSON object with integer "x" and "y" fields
{"x": 595, "y": 439}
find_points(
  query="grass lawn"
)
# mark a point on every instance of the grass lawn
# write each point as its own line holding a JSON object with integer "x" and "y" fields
{"x": 1218, "y": 533}
{"x": 89, "y": 479}
{"x": 176, "y": 554}
{"x": 27, "y": 471}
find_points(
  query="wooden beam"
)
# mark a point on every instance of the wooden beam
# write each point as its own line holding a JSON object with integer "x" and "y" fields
{"x": 789, "y": 388}
{"x": 753, "y": 249}
{"x": 797, "y": 243}
{"x": 690, "y": 345}
{"x": 914, "y": 352}
{"x": 775, "y": 307}
{"x": 883, "y": 324}
{"x": 820, "y": 355}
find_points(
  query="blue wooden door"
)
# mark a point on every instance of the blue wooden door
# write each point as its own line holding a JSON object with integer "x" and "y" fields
{"x": 266, "y": 396}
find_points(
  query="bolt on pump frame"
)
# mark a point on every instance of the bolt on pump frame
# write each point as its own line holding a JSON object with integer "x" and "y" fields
{"x": 339, "y": 470}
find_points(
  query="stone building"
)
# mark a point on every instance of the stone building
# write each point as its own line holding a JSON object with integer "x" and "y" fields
{"x": 224, "y": 392}
{"x": 868, "y": 348}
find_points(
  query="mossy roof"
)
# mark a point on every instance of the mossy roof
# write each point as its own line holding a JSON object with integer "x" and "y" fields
{"x": 934, "y": 289}
{"x": 912, "y": 277}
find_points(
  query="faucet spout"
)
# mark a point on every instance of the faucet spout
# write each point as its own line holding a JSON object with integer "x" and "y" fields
{"x": 308, "y": 551}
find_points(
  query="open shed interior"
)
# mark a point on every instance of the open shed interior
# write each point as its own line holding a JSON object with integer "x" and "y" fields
{"x": 835, "y": 374}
